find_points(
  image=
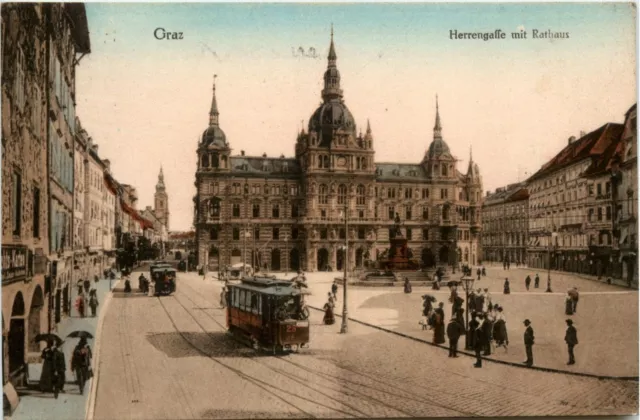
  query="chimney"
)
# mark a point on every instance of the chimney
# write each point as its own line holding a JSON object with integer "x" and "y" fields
{"x": 107, "y": 164}
{"x": 241, "y": 152}
{"x": 264, "y": 155}
{"x": 573, "y": 138}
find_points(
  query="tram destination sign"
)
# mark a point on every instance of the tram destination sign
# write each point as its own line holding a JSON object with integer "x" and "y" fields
{"x": 14, "y": 263}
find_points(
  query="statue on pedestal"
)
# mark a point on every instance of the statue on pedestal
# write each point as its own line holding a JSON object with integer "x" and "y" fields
{"x": 396, "y": 225}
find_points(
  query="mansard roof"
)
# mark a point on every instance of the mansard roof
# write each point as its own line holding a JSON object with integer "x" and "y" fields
{"x": 261, "y": 166}
{"x": 512, "y": 192}
{"x": 400, "y": 172}
{"x": 590, "y": 145}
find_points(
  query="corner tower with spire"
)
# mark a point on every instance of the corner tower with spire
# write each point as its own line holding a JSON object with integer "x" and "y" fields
{"x": 438, "y": 161}
{"x": 213, "y": 150}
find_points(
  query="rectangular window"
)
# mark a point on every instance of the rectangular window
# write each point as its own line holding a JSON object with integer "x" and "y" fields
{"x": 608, "y": 212}
{"x": 408, "y": 193}
{"x": 425, "y": 234}
{"x": 392, "y": 212}
{"x": 342, "y": 233}
{"x": 407, "y": 213}
{"x": 391, "y": 193}
{"x": 323, "y": 214}
{"x": 276, "y": 233}
{"x": 607, "y": 188}
{"x": 256, "y": 210}
{"x": 236, "y": 234}
{"x": 256, "y": 233}
{"x": 323, "y": 233}
{"x": 361, "y": 214}
{"x": 599, "y": 189}
{"x": 16, "y": 202}
{"x": 236, "y": 210}
{"x": 590, "y": 189}
{"x": 19, "y": 81}
{"x": 275, "y": 211}
{"x": 599, "y": 214}
{"x": 444, "y": 193}
{"x": 213, "y": 234}
{"x": 294, "y": 233}
{"x": 36, "y": 212}
{"x": 409, "y": 234}
{"x": 294, "y": 210}
{"x": 361, "y": 233}
{"x": 425, "y": 193}
{"x": 425, "y": 213}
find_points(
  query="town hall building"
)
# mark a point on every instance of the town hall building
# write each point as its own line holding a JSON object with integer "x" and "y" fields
{"x": 288, "y": 213}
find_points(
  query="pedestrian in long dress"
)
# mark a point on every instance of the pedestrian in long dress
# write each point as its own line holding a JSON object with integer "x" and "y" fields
{"x": 454, "y": 331}
{"x": 527, "y": 282}
{"x": 80, "y": 307}
{"x": 529, "y": 340}
{"x": 506, "y": 289}
{"x": 568, "y": 305}
{"x": 571, "y": 338}
{"x": 500, "y": 329}
{"x": 329, "y": 317}
{"x": 473, "y": 325}
{"x": 48, "y": 378}
{"x": 438, "y": 330}
{"x": 93, "y": 302}
{"x": 536, "y": 281}
{"x": 487, "y": 331}
{"x": 61, "y": 369}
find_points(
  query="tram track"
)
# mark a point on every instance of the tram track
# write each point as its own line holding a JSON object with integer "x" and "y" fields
{"x": 342, "y": 390}
{"x": 265, "y": 386}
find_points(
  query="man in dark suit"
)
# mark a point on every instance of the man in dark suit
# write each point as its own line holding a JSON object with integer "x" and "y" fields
{"x": 528, "y": 343}
{"x": 479, "y": 341}
{"x": 571, "y": 338}
{"x": 454, "y": 331}
{"x": 487, "y": 327}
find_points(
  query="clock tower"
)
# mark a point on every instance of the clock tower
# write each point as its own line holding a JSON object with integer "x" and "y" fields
{"x": 161, "y": 201}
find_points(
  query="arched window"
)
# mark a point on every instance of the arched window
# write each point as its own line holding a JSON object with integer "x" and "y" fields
{"x": 342, "y": 194}
{"x": 361, "y": 194}
{"x": 444, "y": 170}
{"x": 205, "y": 161}
{"x": 326, "y": 161}
{"x": 215, "y": 161}
{"x": 322, "y": 194}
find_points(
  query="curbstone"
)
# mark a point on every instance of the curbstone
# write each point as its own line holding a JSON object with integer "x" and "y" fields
{"x": 503, "y": 362}
{"x": 91, "y": 401}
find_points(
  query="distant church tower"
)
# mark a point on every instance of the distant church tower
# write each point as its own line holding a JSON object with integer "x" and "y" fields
{"x": 161, "y": 201}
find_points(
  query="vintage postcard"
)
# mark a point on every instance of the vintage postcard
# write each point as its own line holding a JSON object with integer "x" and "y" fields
{"x": 316, "y": 210}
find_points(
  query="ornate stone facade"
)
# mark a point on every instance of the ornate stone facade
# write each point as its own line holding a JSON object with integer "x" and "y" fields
{"x": 627, "y": 196}
{"x": 288, "y": 213}
{"x": 39, "y": 49}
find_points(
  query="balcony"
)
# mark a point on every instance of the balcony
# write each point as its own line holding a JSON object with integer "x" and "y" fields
{"x": 606, "y": 196}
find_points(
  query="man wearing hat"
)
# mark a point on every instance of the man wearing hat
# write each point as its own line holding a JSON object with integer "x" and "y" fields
{"x": 571, "y": 338}
{"x": 528, "y": 343}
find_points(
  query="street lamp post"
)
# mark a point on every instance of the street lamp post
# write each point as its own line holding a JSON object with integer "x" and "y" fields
{"x": 467, "y": 282}
{"x": 343, "y": 327}
{"x": 549, "y": 263}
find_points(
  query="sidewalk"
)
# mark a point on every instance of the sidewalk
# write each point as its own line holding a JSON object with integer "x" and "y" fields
{"x": 70, "y": 404}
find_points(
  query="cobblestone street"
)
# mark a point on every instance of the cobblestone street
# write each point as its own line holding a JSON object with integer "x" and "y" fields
{"x": 170, "y": 358}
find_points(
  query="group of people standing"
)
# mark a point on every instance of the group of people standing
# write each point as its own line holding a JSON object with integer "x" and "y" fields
{"x": 53, "y": 377}
{"x": 87, "y": 297}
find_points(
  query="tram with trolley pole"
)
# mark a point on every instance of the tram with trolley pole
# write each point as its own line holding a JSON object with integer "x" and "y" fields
{"x": 164, "y": 277}
{"x": 268, "y": 314}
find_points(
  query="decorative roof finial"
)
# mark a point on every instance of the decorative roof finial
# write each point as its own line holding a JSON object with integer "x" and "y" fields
{"x": 470, "y": 153}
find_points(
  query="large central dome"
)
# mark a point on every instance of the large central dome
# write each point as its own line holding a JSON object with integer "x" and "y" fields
{"x": 333, "y": 113}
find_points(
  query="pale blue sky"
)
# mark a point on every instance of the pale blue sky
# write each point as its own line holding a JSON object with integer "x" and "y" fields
{"x": 515, "y": 101}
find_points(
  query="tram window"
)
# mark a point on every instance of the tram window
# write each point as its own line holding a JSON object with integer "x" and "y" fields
{"x": 254, "y": 303}
{"x": 236, "y": 298}
{"x": 247, "y": 301}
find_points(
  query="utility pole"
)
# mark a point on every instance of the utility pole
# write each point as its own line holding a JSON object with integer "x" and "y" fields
{"x": 343, "y": 327}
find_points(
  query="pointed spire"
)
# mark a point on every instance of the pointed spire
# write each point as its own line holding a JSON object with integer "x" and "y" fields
{"x": 213, "y": 113}
{"x": 437, "y": 129}
{"x": 331, "y": 75}
{"x": 470, "y": 153}
{"x": 368, "y": 126}
{"x": 332, "y": 51}
{"x": 160, "y": 184}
